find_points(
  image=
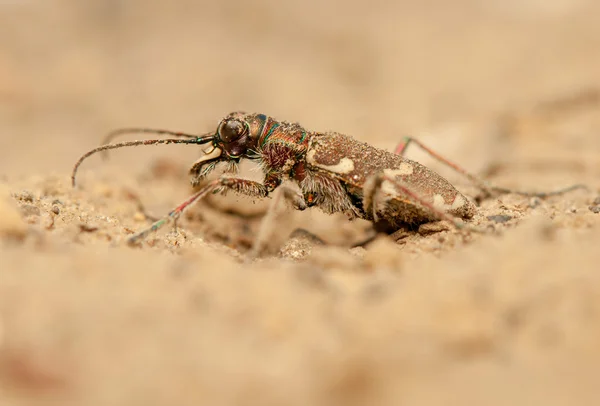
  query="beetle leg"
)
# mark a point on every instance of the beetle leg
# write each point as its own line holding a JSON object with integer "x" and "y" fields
{"x": 243, "y": 186}
{"x": 487, "y": 188}
{"x": 286, "y": 192}
{"x": 374, "y": 185}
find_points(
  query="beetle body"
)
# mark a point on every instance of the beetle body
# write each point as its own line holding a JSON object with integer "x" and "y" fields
{"x": 334, "y": 172}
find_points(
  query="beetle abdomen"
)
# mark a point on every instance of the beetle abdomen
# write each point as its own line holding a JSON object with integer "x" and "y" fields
{"x": 356, "y": 163}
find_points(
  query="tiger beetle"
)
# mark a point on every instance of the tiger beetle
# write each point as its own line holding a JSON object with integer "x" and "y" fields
{"x": 331, "y": 171}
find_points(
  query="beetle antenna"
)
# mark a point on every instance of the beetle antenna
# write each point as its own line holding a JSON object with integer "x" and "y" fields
{"x": 197, "y": 140}
{"x": 141, "y": 130}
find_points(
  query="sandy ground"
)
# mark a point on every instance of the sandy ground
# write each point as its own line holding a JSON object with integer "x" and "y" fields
{"x": 509, "y": 89}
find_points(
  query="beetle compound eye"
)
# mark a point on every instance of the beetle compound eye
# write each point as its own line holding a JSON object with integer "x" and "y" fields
{"x": 231, "y": 131}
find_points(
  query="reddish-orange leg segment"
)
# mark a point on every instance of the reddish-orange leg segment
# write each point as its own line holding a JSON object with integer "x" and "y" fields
{"x": 244, "y": 186}
{"x": 486, "y": 187}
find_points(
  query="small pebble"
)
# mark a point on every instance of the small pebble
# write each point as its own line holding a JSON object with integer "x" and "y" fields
{"x": 534, "y": 202}
{"x": 297, "y": 248}
{"x": 87, "y": 228}
{"x": 595, "y": 209}
{"x": 55, "y": 210}
{"x": 499, "y": 218}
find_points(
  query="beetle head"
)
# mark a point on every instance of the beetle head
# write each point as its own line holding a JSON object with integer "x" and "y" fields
{"x": 235, "y": 135}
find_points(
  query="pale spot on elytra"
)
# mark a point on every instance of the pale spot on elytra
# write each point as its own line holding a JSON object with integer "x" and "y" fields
{"x": 388, "y": 187}
{"x": 404, "y": 169}
{"x": 439, "y": 202}
{"x": 346, "y": 165}
{"x": 458, "y": 202}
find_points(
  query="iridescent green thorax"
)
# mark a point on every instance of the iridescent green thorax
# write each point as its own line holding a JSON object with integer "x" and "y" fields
{"x": 292, "y": 135}
{"x": 270, "y": 129}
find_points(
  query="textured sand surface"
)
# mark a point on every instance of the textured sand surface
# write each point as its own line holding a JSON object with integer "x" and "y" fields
{"x": 509, "y": 89}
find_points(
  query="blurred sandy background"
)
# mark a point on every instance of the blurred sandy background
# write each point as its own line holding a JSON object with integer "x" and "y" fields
{"x": 507, "y": 88}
